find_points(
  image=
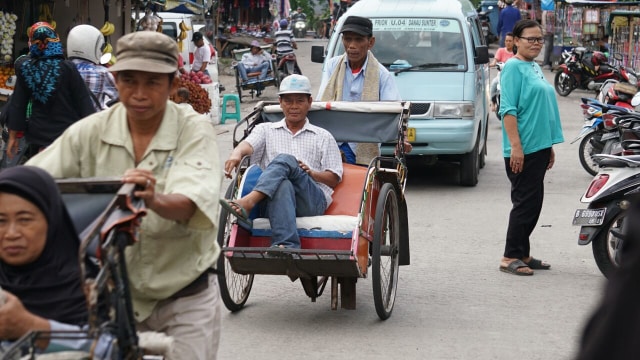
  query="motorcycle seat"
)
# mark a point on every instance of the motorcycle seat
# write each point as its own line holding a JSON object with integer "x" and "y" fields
{"x": 618, "y": 163}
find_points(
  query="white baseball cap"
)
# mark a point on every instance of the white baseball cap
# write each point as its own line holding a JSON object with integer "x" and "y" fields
{"x": 295, "y": 84}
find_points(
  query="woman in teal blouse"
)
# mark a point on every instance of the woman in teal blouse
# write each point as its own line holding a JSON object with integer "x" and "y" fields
{"x": 531, "y": 125}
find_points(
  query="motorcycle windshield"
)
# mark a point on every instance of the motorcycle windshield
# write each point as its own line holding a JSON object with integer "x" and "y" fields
{"x": 415, "y": 43}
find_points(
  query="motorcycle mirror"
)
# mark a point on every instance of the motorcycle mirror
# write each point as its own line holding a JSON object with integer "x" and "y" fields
{"x": 635, "y": 101}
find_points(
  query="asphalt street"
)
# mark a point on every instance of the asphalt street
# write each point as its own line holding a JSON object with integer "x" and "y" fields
{"x": 452, "y": 301}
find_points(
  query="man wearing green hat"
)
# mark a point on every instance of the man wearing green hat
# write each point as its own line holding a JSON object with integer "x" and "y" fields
{"x": 170, "y": 152}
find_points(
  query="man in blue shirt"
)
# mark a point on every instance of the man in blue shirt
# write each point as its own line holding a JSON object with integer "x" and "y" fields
{"x": 357, "y": 75}
{"x": 84, "y": 48}
{"x": 508, "y": 17}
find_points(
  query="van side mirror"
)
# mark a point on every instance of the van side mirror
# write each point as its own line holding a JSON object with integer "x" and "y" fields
{"x": 482, "y": 56}
{"x": 317, "y": 54}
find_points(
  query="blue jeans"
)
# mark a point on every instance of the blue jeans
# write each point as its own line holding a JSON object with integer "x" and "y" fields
{"x": 290, "y": 192}
{"x": 263, "y": 68}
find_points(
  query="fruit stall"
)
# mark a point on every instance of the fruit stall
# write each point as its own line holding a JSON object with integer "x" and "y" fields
{"x": 7, "y": 34}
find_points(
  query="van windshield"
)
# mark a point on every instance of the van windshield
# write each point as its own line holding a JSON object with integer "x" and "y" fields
{"x": 425, "y": 44}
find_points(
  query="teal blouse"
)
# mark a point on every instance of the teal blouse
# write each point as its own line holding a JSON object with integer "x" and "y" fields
{"x": 525, "y": 94}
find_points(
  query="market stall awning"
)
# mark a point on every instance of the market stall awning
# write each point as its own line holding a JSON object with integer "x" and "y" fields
{"x": 181, "y": 9}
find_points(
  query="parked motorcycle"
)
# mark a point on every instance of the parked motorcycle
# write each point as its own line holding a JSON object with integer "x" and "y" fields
{"x": 603, "y": 223}
{"x": 617, "y": 93}
{"x": 600, "y": 134}
{"x": 577, "y": 72}
{"x": 288, "y": 65}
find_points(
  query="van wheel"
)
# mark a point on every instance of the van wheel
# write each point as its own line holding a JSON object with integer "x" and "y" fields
{"x": 470, "y": 166}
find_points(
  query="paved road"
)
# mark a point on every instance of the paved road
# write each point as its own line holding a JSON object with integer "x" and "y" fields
{"x": 452, "y": 301}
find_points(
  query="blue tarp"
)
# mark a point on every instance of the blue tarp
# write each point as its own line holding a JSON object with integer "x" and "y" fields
{"x": 181, "y": 9}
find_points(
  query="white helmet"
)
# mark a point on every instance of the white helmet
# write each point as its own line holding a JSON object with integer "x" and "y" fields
{"x": 85, "y": 42}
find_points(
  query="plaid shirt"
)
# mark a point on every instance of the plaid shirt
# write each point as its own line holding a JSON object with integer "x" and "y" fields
{"x": 99, "y": 81}
{"x": 312, "y": 145}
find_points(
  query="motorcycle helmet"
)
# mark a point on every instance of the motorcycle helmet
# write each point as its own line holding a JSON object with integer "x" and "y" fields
{"x": 284, "y": 23}
{"x": 85, "y": 42}
{"x": 598, "y": 58}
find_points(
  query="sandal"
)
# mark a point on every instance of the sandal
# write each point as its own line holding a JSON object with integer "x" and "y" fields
{"x": 536, "y": 264}
{"x": 513, "y": 267}
{"x": 232, "y": 207}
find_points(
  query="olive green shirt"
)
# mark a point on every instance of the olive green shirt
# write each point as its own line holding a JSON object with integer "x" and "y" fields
{"x": 183, "y": 156}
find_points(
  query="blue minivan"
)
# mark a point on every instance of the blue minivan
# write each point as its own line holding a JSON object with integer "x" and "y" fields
{"x": 440, "y": 59}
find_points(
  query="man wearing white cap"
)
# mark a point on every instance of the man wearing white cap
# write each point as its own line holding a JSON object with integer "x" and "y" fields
{"x": 171, "y": 154}
{"x": 301, "y": 165}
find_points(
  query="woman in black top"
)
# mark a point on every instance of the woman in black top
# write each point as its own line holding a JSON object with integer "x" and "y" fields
{"x": 49, "y": 95}
{"x": 39, "y": 267}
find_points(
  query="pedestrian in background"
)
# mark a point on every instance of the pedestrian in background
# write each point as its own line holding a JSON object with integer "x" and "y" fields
{"x": 502, "y": 55}
{"x": 54, "y": 89}
{"x": 202, "y": 54}
{"x": 84, "y": 48}
{"x": 507, "y": 19}
{"x": 530, "y": 127}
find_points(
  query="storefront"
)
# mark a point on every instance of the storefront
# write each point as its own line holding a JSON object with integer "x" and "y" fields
{"x": 584, "y": 23}
{"x": 624, "y": 36}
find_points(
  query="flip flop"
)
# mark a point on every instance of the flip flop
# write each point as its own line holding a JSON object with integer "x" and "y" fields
{"x": 536, "y": 264}
{"x": 513, "y": 267}
{"x": 243, "y": 217}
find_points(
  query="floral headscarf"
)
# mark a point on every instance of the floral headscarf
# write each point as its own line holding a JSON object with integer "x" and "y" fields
{"x": 42, "y": 71}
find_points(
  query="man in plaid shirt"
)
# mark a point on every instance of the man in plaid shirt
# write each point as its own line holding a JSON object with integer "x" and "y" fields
{"x": 301, "y": 165}
{"x": 84, "y": 48}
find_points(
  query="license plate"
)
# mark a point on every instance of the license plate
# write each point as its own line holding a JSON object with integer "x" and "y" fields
{"x": 411, "y": 134}
{"x": 589, "y": 217}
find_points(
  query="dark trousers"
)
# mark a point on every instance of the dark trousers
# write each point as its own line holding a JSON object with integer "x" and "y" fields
{"x": 527, "y": 193}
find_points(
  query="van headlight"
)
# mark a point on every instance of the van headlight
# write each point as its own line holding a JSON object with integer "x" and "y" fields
{"x": 454, "y": 110}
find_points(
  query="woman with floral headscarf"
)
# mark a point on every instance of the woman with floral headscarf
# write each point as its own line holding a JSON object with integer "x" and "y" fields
{"x": 52, "y": 87}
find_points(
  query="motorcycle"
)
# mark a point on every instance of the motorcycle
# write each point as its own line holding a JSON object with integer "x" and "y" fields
{"x": 599, "y": 134}
{"x": 485, "y": 23}
{"x": 496, "y": 97}
{"x": 603, "y": 223}
{"x": 616, "y": 93}
{"x": 299, "y": 27}
{"x": 288, "y": 65}
{"x": 576, "y": 73}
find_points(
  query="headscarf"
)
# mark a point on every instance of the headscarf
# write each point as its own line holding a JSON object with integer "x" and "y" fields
{"x": 42, "y": 71}
{"x": 49, "y": 287}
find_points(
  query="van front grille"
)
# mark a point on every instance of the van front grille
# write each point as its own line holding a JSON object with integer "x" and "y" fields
{"x": 419, "y": 109}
